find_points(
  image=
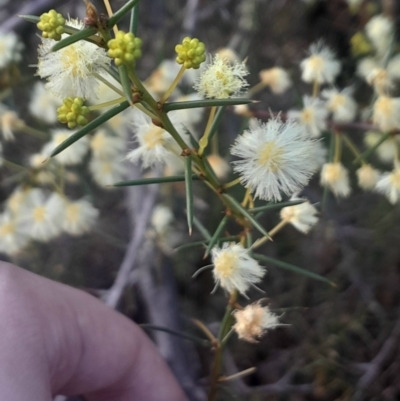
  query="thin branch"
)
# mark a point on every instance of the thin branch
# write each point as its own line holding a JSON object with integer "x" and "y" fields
{"x": 145, "y": 206}
{"x": 374, "y": 368}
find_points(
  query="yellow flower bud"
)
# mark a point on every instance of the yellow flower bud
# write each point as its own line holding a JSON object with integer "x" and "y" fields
{"x": 73, "y": 112}
{"x": 191, "y": 53}
{"x": 52, "y": 25}
{"x": 125, "y": 48}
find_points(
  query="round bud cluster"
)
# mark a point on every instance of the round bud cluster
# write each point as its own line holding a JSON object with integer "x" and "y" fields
{"x": 52, "y": 25}
{"x": 125, "y": 48}
{"x": 73, "y": 112}
{"x": 191, "y": 53}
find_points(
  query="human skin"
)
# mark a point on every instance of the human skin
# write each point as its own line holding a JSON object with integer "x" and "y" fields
{"x": 55, "y": 339}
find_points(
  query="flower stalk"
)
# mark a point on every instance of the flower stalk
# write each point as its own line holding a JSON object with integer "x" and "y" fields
{"x": 204, "y": 140}
{"x": 224, "y": 330}
{"x": 173, "y": 85}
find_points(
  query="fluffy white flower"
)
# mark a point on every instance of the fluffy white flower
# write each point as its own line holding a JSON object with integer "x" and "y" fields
{"x": 17, "y": 199}
{"x": 11, "y": 239}
{"x": 302, "y": 217}
{"x": 161, "y": 219}
{"x": 366, "y": 65}
{"x": 277, "y": 79}
{"x": 276, "y": 157}
{"x": 312, "y": 117}
{"x": 69, "y": 71}
{"x": 44, "y": 104}
{"x": 107, "y": 171}
{"x": 336, "y": 177}
{"x": 10, "y": 49}
{"x": 253, "y": 321}
{"x": 371, "y": 69}
{"x": 154, "y": 143}
{"x": 45, "y": 169}
{"x": 374, "y": 72}
{"x": 367, "y": 177}
{"x": 72, "y": 155}
{"x": 379, "y": 30}
{"x": 340, "y": 104}
{"x": 40, "y": 216}
{"x": 9, "y": 122}
{"x": 79, "y": 217}
{"x": 380, "y": 80}
{"x": 386, "y": 113}
{"x": 104, "y": 145}
{"x": 389, "y": 185}
{"x": 321, "y": 66}
{"x": 234, "y": 269}
{"x": 222, "y": 79}
{"x": 387, "y": 150}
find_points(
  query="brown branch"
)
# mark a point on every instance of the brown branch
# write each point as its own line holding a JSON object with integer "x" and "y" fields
{"x": 143, "y": 204}
{"x": 157, "y": 288}
{"x": 374, "y": 368}
{"x": 282, "y": 387}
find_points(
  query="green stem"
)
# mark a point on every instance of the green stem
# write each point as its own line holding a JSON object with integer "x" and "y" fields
{"x": 133, "y": 24}
{"x": 204, "y": 139}
{"x": 109, "y": 84}
{"x": 107, "y": 104}
{"x": 174, "y": 84}
{"x": 368, "y": 152}
{"x": 13, "y": 165}
{"x": 61, "y": 173}
{"x": 110, "y": 14}
{"x": 350, "y": 144}
{"x": 168, "y": 126}
{"x": 256, "y": 88}
{"x": 232, "y": 183}
{"x": 224, "y": 330}
{"x": 33, "y": 131}
{"x": 195, "y": 339}
{"x": 154, "y": 106}
{"x": 145, "y": 111}
{"x": 94, "y": 38}
{"x": 316, "y": 88}
{"x": 272, "y": 232}
{"x": 336, "y": 157}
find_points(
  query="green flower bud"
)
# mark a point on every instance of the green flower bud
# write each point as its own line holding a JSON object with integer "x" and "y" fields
{"x": 125, "y": 48}
{"x": 191, "y": 53}
{"x": 73, "y": 112}
{"x": 52, "y": 25}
